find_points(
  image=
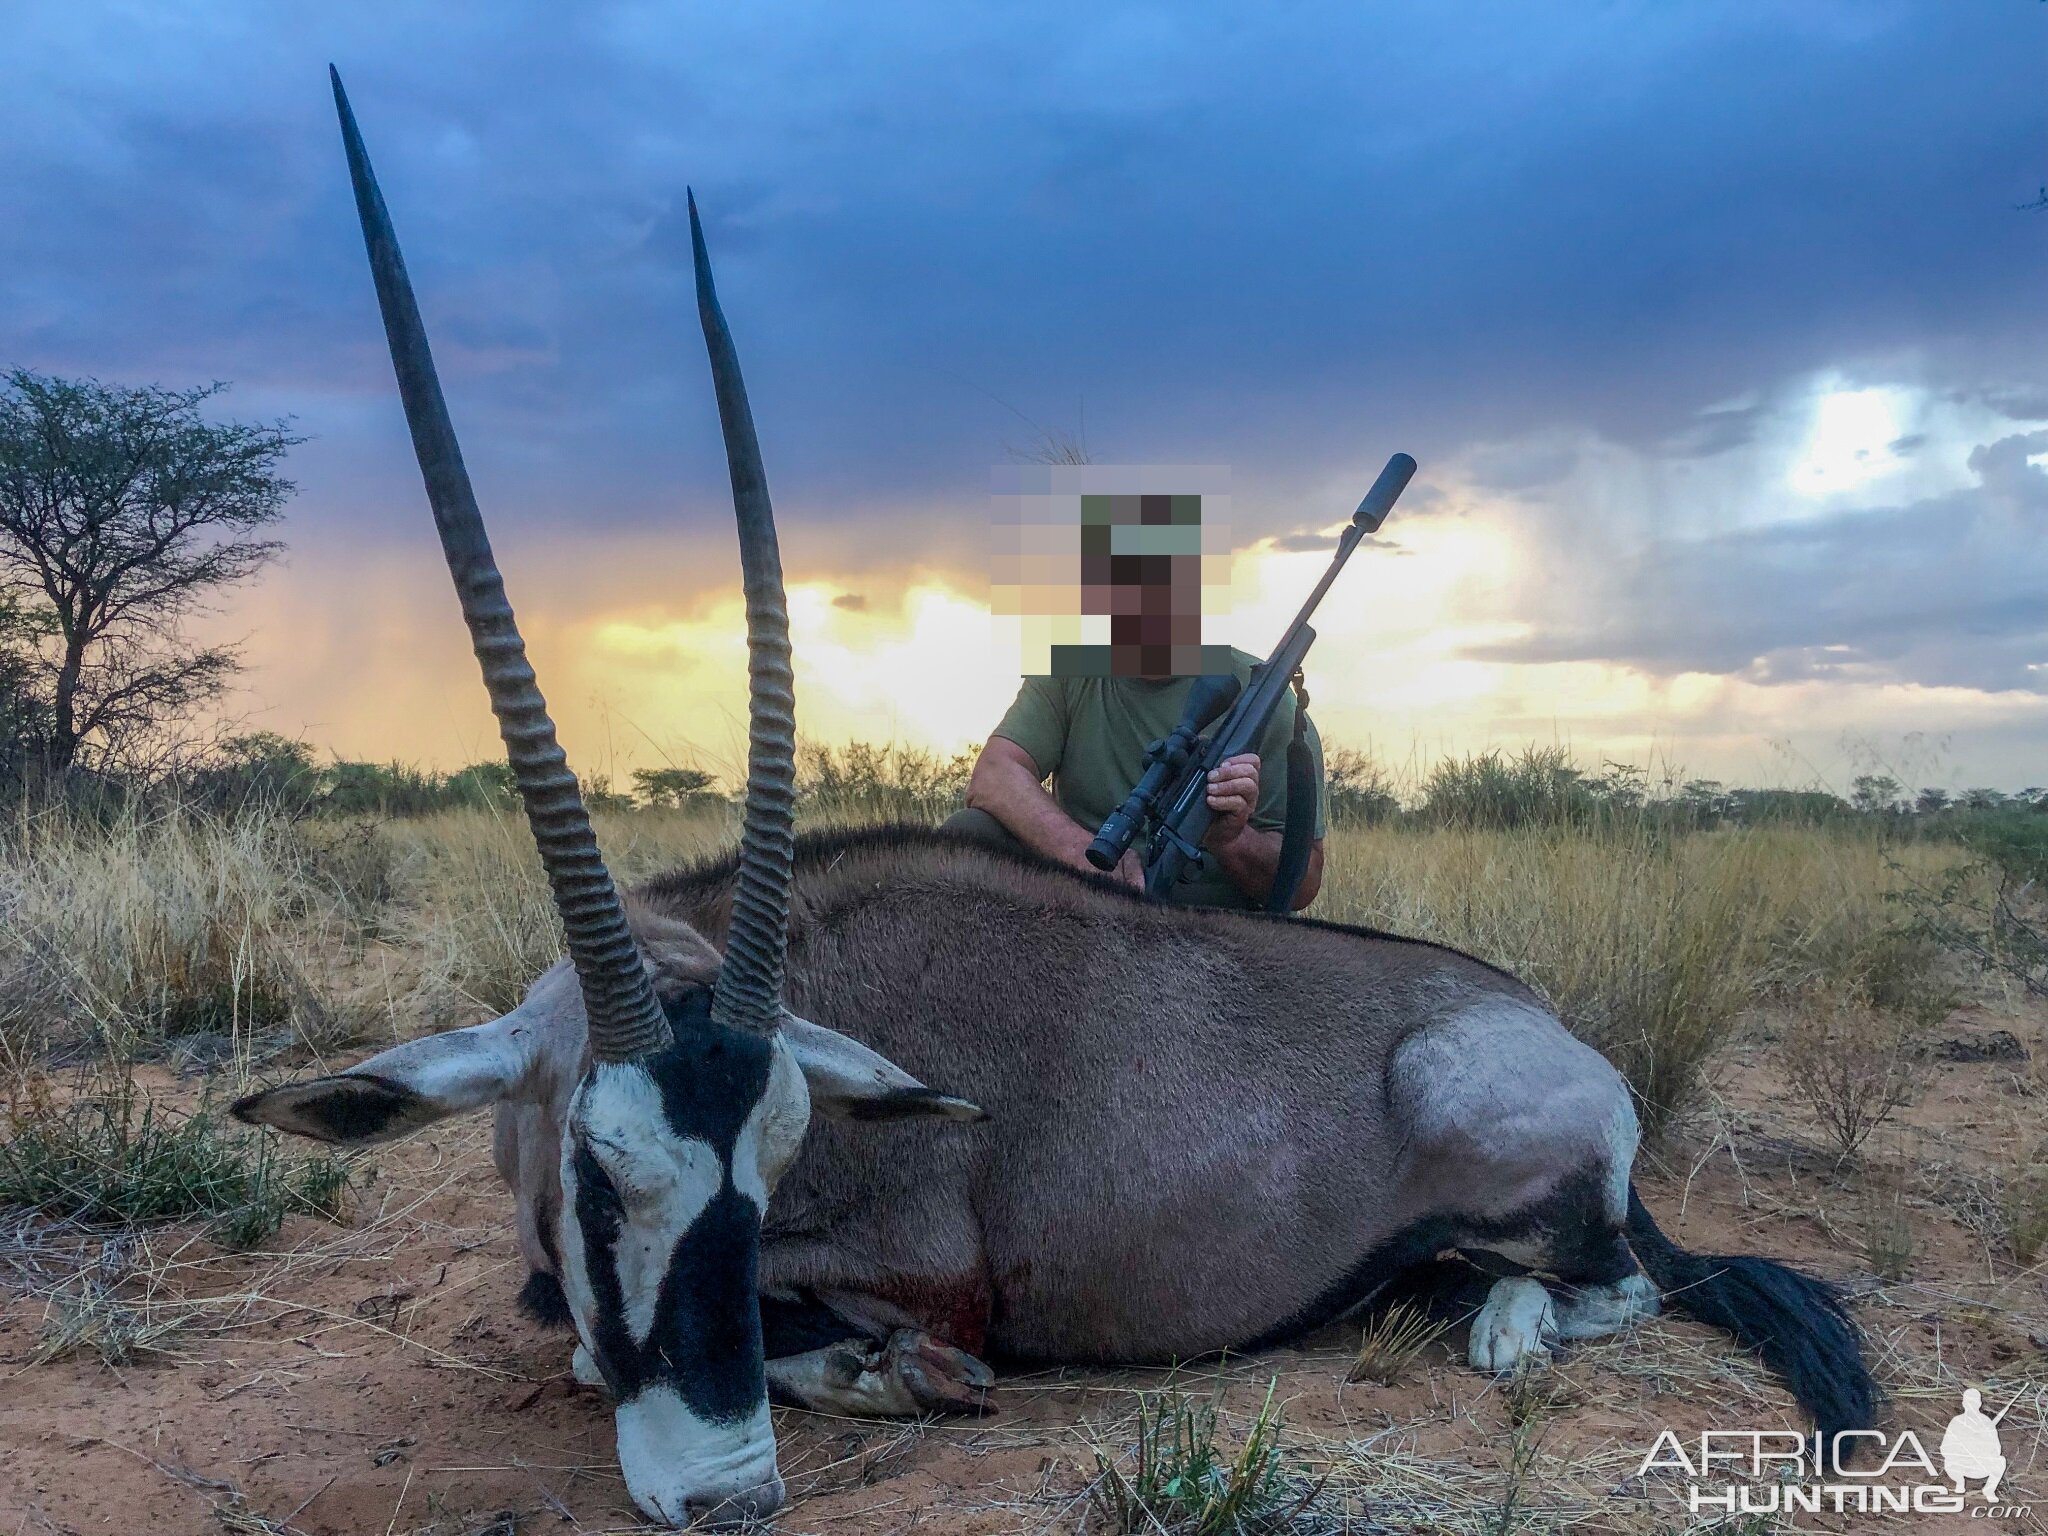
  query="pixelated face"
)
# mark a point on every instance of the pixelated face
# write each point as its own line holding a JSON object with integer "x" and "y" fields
{"x": 1141, "y": 566}
{"x": 1112, "y": 570}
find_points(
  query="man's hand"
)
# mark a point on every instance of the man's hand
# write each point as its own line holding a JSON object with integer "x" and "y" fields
{"x": 1233, "y": 796}
{"x": 1128, "y": 870}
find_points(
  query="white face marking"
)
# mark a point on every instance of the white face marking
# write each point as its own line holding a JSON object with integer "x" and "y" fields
{"x": 673, "y": 1459}
{"x": 664, "y": 1181}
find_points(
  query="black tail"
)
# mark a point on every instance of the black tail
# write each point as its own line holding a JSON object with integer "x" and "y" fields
{"x": 1797, "y": 1323}
{"x": 542, "y": 1300}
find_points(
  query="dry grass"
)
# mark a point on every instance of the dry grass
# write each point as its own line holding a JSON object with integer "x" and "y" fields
{"x": 88, "y": 1318}
{"x": 176, "y": 922}
{"x": 1392, "y": 1340}
{"x": 265, "y": 931}
{"x": 1888, "y": 1230}
{"x": 2023, "y": 1204}
{"x": 1649, "y": 944}
{"x": 474, "y": 909}
{"x": 1653, "y": 945}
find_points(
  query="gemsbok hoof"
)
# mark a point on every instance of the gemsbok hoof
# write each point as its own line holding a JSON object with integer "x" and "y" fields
{"x": 1514, "y": 1330}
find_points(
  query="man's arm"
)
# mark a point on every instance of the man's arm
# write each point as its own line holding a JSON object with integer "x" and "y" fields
{"x": 1005, "y": 783}
{"x": 1249, "y": 855}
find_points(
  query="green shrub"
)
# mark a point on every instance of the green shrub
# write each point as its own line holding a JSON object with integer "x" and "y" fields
{"x": 1492, "y": 792}
{"x": 385, "y": 789}
{"x": 1359, "y": 790}
{"x": 2015, "y": 841}
{"x": 678, "y": 789}
{"x": 1177, "y": 1481}
{"x": 121, "y": 1158}
{"x": 865, "y": 782}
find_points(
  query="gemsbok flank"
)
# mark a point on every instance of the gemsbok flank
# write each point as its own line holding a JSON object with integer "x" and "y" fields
{"x": 1210, "y": 1130}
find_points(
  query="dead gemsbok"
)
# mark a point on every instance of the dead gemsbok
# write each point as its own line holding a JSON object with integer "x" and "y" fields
{"x": 1206, "y": 1130}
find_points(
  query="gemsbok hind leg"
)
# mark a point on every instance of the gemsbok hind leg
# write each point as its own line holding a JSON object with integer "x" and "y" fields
{"x": 1521, "y": 1139}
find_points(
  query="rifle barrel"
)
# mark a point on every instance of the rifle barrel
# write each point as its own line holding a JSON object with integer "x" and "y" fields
{"x": 1372, "y": 512}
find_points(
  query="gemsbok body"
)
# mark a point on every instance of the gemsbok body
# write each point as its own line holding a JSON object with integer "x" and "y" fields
{"x": 1156, "y": 1132}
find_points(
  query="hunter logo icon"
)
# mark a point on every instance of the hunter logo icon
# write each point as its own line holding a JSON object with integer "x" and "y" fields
{"x": 1970, "y": 1448}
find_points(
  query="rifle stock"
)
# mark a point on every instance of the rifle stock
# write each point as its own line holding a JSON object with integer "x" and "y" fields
{"x": 1177, "y": 841}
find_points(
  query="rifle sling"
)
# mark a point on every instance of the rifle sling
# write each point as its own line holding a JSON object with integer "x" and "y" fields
{"x": 1298, "y": 834}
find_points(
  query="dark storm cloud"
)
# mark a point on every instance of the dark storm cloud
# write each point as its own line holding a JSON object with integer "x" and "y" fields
{"x": 1259, "y": 234}
{"x": 1950, "y": 591}
{"x": 1289, "y": 238}
{"x": 1720, "y": 431}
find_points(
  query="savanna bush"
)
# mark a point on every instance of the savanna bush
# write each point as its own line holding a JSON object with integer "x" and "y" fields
{"x": 1650, "y": 945}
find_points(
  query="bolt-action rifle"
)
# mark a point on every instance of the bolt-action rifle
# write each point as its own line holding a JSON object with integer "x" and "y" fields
{"x": 1171, "y": 801}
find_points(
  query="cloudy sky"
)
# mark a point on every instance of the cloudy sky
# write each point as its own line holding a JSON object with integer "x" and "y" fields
{"x": 1718, "y": 330}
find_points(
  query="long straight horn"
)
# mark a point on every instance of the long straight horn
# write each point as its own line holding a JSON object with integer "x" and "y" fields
{"x": 749, "y": 990}
{"x": 625, "y": 1017}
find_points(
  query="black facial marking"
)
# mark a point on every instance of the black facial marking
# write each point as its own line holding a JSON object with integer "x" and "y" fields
{"x": 547, "y": 1214}
{"x": 706, "y": 1338}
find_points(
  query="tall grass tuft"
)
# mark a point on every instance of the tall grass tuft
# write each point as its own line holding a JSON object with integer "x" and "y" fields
{"x": 1391, "y": 1341}
{"x": 863, "y": 782}
{"x": 1541, "y": 787}
{"x": 140, "y": 919}
{"x": 170, "y": 920}
{"x": 474, "y": 910}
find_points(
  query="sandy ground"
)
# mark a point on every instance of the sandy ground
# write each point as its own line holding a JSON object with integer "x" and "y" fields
{"x": 376, "y": 1377}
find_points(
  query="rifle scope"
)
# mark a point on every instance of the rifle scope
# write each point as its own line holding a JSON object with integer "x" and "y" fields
{"x": 1163, "y": 762}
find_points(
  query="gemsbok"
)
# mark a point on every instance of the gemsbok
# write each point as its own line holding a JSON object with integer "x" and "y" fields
{"x": 1204, "y": 1130}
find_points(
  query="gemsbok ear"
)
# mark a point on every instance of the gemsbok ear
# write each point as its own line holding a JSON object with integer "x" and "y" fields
{"x": 401, "y": 1089}
{"x": 850, "y": 1082}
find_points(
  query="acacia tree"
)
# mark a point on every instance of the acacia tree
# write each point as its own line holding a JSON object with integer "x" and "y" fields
{"x": 24, "y": 717}
{"x": 121, "y": 512}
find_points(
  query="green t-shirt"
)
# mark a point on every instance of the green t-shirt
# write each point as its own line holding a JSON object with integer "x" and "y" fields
{"x": 1090, "y": 735}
